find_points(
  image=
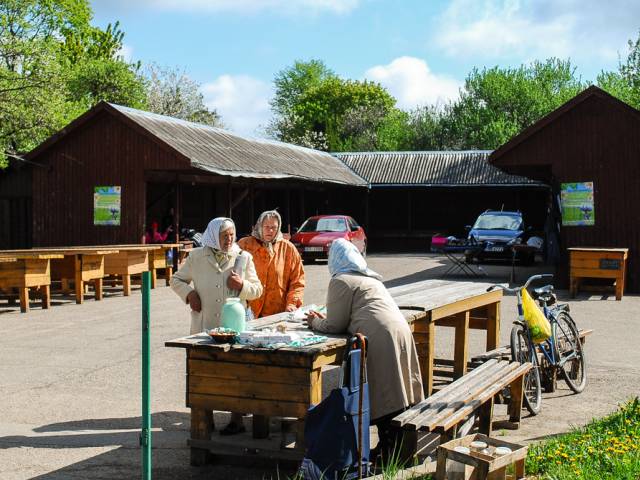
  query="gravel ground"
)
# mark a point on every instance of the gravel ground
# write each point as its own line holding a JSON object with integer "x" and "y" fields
{"x": 70, "y": 377}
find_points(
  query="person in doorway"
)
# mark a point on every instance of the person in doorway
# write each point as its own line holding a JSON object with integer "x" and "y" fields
{"x": 358, "y": 302}
{"x": 155, "y": 236}
{"x": 278, "y": 264}
{"x": 209, "y": 269}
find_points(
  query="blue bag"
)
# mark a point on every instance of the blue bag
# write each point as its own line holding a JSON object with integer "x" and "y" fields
{"x": 336, "y": 435}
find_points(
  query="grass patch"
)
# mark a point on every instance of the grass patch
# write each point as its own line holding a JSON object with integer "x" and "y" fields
{"x": 605, "y": 449}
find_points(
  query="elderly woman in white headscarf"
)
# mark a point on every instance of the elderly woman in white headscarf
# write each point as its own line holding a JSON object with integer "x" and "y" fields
{"x": 209, "y": 268}
{"x": 358, "y": 302}
{"x": 278, "y": 264}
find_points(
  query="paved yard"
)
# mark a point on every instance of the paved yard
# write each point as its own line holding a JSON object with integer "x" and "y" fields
{"x": 70, "y": 378}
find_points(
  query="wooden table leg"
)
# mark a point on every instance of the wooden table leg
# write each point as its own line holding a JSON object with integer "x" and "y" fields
{"x": 168, "y": 273}
{"x": 493, "y": 326}
{"x": 461, "y": 344}
{"x": 486, "y": 414}
{"x": 260, "y": 426}
{"x": 45, "y": 292}
{"x": 428, "y": 358}
{"x": 79, "y": 289}
{"x": 441, "y": 468}
{"x": 64, "y": 285}
{"x": 24, "y": 299}
{"x": 515, "y": 402}
{"x": 126, "y": 284}
{"x": 201, "y": 427}
{"x": 153, "y": 277}
{"x": 97, "y": 286}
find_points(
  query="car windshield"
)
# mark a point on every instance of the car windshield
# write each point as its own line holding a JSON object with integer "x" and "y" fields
{"x": 324, "y": 225}
{"x": 498, "y": 222}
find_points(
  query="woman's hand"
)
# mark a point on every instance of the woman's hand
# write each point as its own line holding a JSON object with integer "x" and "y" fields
{"x": 193, "y": 299}
{"x": 290, "y": 308}
{"x": 234, "y": 282}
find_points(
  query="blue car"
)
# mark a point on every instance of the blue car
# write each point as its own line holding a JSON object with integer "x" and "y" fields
{"x": 498, "y": 231}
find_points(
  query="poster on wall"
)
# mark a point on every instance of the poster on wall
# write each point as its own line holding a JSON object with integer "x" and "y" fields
{"x": 577, "y": 204}
{"x": 106, "y": 205}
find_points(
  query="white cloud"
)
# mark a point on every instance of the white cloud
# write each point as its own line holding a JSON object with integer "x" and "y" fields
{"x": 238, "y": 6}
{"x": 589, "y": 30}
{"x": 126, "y": 52}
{"x": 412, "y": 83}
{"x": 241, "y": 100}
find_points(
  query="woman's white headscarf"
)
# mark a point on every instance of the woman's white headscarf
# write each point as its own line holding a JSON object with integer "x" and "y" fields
{"x": 257, "y": 229}
{"x": 211, "y": 236}
{"x": 344, "y": 257}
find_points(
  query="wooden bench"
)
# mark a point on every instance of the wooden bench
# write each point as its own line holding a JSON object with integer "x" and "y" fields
{"x": 443, "y": 411}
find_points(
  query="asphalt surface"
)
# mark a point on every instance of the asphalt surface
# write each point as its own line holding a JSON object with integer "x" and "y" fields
{"x": 70, "y": 377}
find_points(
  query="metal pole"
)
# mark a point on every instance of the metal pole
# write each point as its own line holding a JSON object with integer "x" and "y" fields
{"x": 145, "y": 436}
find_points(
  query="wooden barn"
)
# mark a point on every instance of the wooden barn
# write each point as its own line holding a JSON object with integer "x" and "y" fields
{"x": 593, "y": 140}
{"x": 415, "y": 195}
{"x": 106, "y": 176}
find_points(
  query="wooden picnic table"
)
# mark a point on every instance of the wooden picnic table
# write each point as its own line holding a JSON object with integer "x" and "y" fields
{"x": 158, "y": 261}
{"x": 286, "y": 381}
{"x": 130, "y": 260}
{"x": 27, "y": 269}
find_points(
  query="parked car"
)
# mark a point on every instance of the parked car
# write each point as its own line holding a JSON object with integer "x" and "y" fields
{"x": 499, "y": 231}
{"x": 316, "y": 234}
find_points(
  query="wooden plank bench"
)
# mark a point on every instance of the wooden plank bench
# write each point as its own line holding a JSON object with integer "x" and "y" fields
{"x": 442, "y": 412}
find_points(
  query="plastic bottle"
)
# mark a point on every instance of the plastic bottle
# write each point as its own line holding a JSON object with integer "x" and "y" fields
{"x": 233, "y": 315}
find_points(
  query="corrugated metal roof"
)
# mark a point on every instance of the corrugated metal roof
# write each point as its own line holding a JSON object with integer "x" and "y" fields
{"x": 225, "y": 153}
{"x": 463, "y": 168}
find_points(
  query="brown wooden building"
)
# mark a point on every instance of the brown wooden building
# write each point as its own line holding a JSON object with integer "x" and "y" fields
{"x": 160, "y": 163}
{"x": 594, "y": 137}
{"x": 415, "y": 195}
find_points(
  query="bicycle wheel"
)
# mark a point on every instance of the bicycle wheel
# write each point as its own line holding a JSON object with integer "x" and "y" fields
{"x": 570, "y": 353}
{"x": 523, "y": 351}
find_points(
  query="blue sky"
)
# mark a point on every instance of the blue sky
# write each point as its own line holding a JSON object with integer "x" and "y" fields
{"x": 420, "y": 50}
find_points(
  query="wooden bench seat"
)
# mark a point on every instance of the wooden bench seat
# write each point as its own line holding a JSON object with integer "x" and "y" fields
{"x": 443, "y": 411}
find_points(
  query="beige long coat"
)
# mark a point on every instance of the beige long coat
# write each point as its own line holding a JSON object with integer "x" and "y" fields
{"x": 210, "y": 281}
{"x": 357, "y": 303}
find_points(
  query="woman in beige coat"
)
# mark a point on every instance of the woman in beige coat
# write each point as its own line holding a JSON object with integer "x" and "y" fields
{"x": 209, "y": 268}
{"x": 357, "y": 301}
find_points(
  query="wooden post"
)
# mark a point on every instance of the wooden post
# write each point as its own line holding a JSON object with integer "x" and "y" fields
{"x": 154, "y": 276}
{"x": 493, "y": 326}
{"x": 45, "y": 292}
{"x": 515, "y": 403}
{"x": 461, "y": 344}
{"x": 201, "y": 426}
{"x": 428, "y": 358}
{"x": 79, "y": 283}
{"x": 97, "y": 286}
{"x": 64, "y": 285}
{"x": 24, "y": 299}
{"x": 126, "y": 284}
{"x": 486, "y": 414}
{"x": 168, "y": 272}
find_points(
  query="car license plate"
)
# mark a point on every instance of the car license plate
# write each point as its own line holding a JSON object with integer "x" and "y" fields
{"x": 494, "y": 249}
{"x": 313, "y": 249}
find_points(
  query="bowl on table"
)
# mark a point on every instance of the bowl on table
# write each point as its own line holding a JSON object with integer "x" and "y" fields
{"x": 223, "y": 335}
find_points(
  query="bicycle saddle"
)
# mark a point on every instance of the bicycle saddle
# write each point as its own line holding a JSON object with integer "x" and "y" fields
{"x": 543, "y": 290}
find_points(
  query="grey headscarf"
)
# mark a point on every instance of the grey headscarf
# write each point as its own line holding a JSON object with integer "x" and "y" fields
{"x": 257, "y": 229}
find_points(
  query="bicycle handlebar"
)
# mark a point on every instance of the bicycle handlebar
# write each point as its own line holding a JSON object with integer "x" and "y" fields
{"x": 529, "y": 280}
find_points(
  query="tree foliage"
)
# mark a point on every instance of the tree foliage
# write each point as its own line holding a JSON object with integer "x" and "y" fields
{"x": 53, "y": 66}
{"x": 171, "y": 92}
{"x": 625, "y": 83}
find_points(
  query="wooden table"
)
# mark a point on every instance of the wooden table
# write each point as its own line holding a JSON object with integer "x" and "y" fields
{"x": 158, "y": 260}
{"x": 26, "y": 270}
{"x": 130, "y": 260}
{"x": 460, "y": 305}
{"x": 597, "y": 263}
{"x": 285, "y": 382}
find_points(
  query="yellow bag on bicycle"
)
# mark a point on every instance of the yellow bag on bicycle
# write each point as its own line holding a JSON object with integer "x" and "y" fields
{"x": 539, "y": 326}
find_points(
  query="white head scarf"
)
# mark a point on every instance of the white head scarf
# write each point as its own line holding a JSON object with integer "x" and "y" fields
{"x": 211, "y": 236}
{"x": 344, "y": 257}
{"x": 257, "y": 229}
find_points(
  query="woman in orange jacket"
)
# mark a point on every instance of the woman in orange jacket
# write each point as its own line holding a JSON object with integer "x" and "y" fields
{"x": 278, "y": 265}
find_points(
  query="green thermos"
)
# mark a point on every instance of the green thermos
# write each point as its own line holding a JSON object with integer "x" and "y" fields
{"x": 233, "y": 314}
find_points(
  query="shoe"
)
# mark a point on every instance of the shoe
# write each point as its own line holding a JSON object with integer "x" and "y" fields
{"x": 232, "y": 428}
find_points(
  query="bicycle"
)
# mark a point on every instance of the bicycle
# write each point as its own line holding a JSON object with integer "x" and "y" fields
{"x": 562, "y": 352}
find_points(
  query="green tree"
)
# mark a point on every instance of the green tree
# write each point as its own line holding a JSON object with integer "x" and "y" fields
{"x": 625, "y": 83}
{"x": 498, "y": 103}
{"x": 54, "y": 65}
{"x": 171, "y": 92}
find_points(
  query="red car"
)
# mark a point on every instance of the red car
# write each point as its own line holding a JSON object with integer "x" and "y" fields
{"x": 314, "y": 237}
